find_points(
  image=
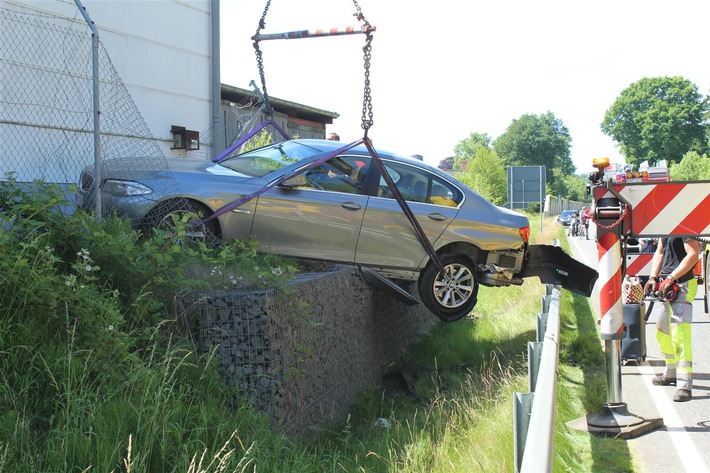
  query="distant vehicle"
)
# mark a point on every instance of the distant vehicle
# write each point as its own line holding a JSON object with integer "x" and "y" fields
{"x": 565, "y": 217}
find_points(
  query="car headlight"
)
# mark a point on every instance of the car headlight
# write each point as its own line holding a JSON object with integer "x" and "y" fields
{"x": 125, "y": 188}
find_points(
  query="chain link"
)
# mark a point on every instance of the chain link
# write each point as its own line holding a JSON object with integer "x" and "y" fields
{"x": 367, "y": 116}
{"x": 367, "y": 119}
{"x": 268, "y": 110}
{"x": 615, "y": 224}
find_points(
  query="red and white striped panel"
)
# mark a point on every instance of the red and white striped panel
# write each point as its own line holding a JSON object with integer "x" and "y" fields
{"x": 668, "y": 208}
{"x": 638, "y": 264}
{"x": 610, "y": 278}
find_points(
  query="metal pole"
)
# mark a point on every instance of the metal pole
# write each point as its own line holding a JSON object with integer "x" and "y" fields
{"x": 218, "y": 134}
{"x": 608, "y": 214}
{"x": 97, "y": 112}
{"x": 541, "y": 203}
{"x": 611, "y": 309}
{"x": 314, "y": 33}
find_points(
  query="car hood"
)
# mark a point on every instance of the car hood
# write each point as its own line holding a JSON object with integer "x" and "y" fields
{"x": 142, "y": 168}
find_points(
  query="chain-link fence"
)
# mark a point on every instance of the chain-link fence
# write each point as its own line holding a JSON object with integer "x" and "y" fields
{"x": 47, "y": 101}
{"x": 47, "y": 114}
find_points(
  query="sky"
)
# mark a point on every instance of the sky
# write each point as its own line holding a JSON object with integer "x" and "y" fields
{"x": 441, "y": 70}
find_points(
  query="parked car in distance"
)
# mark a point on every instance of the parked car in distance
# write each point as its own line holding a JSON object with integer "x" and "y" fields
{"x": 565, "y": 217}
{"x": 342, "y": 210}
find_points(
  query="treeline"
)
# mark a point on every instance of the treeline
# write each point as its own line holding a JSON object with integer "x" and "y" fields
{"x": 655, "y": 120}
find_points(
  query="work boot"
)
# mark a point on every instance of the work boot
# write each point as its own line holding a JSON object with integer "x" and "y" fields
{"x": 660, "y": 380}
{"x": 682, "y": 395}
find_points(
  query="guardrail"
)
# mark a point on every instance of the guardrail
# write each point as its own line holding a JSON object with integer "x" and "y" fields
{"x": 534, "y": 412}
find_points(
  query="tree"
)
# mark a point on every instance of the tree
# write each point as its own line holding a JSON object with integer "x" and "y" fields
{"x": 534, "y": 140}
{"x": 693, "y": 167}
{"x": 485, "y": 174}
{"x": 568, "y": 186}
{"x": 466, "y": 149}
{"x": 658, "y": 118}
{"x": 447, "y": 163}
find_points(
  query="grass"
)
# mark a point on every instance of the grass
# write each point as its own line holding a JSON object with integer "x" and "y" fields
{"x": 85, "y": 387}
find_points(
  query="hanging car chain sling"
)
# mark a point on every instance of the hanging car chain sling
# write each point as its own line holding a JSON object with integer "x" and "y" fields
{"x": 268, "y": 110}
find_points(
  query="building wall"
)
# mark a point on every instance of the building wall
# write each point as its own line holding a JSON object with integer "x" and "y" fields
{"x": 161, "y": 50}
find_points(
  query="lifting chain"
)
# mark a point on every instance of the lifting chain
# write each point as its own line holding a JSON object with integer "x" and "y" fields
{"x": 268, "y": 110}
{"x": 367, "y": 120}
{"x": 617, "y": 223}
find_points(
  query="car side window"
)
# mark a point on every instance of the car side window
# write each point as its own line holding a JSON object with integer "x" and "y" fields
{"x": 344, "y": 174}
{"x": 418, "y": 185}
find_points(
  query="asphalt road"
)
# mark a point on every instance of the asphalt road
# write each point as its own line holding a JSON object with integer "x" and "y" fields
{"x": 683, "y": 442}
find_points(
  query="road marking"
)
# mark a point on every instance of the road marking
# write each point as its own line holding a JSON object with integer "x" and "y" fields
{"x": 687, "y": 451}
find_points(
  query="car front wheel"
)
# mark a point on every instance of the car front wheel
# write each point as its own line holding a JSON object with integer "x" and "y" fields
{"x": 166, "y": 215}
{"x": 450, "y": 295}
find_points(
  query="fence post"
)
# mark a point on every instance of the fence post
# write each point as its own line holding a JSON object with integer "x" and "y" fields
{"x": 97, "y": 112}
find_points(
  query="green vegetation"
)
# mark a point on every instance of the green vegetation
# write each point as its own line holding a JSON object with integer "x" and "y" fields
{"x": 97, "y": 376}
{"x": 486, "y": 174}
{"x": 654, "y": 119}
{"x": 693, "y": 167}
{"x": 658, "y": 118}
{"x": 537, "y": 140}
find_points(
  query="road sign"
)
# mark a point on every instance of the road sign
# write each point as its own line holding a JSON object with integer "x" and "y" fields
{"x": 526, "y": 185}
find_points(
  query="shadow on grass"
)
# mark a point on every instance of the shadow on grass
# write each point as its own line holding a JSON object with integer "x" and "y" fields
{"x": 583, "y": 348}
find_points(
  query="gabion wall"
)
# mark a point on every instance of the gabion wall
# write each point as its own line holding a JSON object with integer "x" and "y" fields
{"x": 302, "y": 354}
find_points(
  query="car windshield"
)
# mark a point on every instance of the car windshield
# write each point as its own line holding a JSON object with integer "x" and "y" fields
{"x": 262, "y": 161}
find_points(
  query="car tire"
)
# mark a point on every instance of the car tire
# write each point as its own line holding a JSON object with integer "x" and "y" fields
{"x": 163, "y": 215}
{"x": 453, "y": 296}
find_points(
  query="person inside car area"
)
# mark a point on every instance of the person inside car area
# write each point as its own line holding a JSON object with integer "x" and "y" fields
{"x": 673, "y": 282}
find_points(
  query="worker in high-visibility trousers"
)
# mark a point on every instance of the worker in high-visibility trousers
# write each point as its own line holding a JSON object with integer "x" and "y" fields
{"x": 672, "y": 281}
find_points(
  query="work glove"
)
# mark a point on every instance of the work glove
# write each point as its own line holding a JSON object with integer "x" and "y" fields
{"x": 650, "y": 287}
{"x": 668, "y": 289}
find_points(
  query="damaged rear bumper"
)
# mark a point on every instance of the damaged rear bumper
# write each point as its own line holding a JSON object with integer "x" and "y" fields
{"x": 553, "y": 266}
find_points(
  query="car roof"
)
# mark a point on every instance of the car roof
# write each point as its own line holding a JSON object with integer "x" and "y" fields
{"x": 330, "y": 145}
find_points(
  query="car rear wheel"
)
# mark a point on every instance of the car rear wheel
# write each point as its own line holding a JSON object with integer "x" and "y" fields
{"x": 166, "y": 215}
{"x": 453, "y": 294}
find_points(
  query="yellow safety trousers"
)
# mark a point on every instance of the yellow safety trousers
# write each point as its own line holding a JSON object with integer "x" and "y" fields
{"x": 673, "y": 332}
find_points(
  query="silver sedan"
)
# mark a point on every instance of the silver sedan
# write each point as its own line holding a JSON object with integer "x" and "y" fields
{"x": 342, "y": 210}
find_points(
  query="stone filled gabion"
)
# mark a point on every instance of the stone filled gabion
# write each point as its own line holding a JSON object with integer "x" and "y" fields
{"x": 303, "y": 353}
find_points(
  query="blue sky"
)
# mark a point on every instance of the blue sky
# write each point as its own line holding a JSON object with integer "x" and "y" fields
{"x": 442, "y": 70}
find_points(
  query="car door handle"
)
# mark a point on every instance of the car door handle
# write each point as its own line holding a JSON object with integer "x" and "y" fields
{"x": 437, "y": 216}
{"x": 351, "y": 205}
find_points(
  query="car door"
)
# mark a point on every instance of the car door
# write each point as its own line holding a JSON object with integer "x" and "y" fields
{"x": 319, "y": 219}
{"x": 387, "y": 238}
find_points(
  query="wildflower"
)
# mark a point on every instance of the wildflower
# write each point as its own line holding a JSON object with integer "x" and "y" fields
{"x": 277, "y": 271}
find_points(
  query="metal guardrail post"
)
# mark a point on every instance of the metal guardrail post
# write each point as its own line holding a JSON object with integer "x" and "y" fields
{"x": 534, "y": 415}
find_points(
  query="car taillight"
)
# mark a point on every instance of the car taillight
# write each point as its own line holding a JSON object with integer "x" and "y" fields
{"x": 524, "y": 233}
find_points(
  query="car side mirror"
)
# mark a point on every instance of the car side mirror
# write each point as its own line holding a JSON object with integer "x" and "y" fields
{"x": 295, "y": 181}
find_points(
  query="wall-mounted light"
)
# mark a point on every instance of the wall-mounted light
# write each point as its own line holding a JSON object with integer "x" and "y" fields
{"x": 185, "y": 139}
